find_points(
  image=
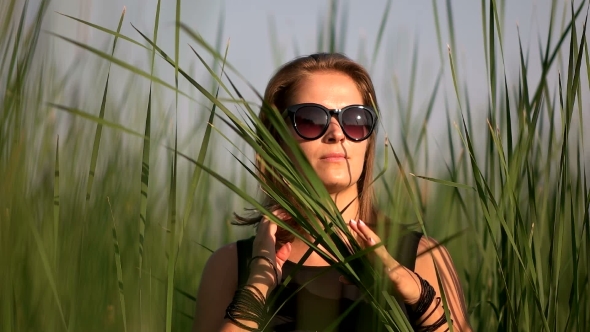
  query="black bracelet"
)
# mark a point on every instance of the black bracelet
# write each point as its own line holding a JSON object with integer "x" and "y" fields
{"x": 438, "y": 301}
{"x": 272, "y": 264}
{"x": 427, "y": 294}
{"x": 248, "y": 304}
{"x": 434, "y": 326}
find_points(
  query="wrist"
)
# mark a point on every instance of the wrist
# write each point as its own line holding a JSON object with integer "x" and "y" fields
{"x": 264, "y": 288}
{"x": 425, "y": 301}
{"x": 248, "y": 308}
{"x": 263, "y": 274}
{"x": 262, "y": 281}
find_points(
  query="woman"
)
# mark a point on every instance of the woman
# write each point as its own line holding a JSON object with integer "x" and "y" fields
{"x": 323, "y": 96}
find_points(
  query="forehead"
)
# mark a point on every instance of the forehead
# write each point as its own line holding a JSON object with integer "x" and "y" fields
{"x": 331, "y": 89}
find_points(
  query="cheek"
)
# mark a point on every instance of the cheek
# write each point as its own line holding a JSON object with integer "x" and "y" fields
{"x": 361, "y": 157}
{"x": 308, "y": 147}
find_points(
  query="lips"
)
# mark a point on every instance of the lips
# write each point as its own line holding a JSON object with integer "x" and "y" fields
{"x": 336, "y": 156}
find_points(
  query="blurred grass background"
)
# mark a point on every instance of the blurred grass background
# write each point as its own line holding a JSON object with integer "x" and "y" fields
{"x": 91, "y": 210}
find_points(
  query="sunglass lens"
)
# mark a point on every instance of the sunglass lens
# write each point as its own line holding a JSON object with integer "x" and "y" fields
{"x": 357, "y": 122}
{"x": 310, "y": 121}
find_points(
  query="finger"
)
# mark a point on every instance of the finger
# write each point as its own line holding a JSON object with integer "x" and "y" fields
{"x": 368, "y": 232}
{"x": 266, "y": 227}
{"x": 264, "y": 242}
{"x": 272, "y": 229}
{"x": 262, "y": 226}
{"x": 280, "y": 213}
{"x": 354, "y": 226}
{"x": 389, "y": 262}
{"x": 281, "y": 257}
{"x": 284, "y": 252}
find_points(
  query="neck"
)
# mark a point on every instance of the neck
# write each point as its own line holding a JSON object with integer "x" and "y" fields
{"x": 346, "y": 200}
{"x": 348, "y": 203}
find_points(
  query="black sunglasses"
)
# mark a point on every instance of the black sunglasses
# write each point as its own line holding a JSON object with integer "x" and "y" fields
{"x": 312, "y": 120}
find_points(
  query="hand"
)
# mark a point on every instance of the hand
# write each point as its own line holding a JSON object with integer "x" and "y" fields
{"x": 405, "y": 282}
{"x": 262, "y": 275}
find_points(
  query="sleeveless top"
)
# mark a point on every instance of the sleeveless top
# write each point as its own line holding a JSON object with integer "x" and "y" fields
{"x": 323, "y": 300}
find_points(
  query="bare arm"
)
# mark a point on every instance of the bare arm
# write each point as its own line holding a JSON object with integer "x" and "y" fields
{"x": 433, "y": 256}
{"x": 218, "y": 284}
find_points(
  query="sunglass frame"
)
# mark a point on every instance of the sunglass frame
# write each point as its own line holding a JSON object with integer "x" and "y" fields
{"x": 291, "y": 110}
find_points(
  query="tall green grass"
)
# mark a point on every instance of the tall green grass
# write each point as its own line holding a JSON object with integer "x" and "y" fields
{"x": 90, "y": 236}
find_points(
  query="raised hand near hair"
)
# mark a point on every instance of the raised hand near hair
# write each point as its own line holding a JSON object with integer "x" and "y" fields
{"x": 267, "y": 263}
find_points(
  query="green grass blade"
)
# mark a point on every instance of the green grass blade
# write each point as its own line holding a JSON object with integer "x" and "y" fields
{"x": 56, "y": 206}
{"x": 413, "y": 77}
{"x": 200, "y": 159}
{"x": 172, "y": 236}
{"x": 6, "y": 50}
{"x": 498, "y": 23}
{"x": 492, "y": 59}
{"x": 332, "y": 20}
{"x": 550, "y": 56}
{"x": 171, "y": 243}
{"x": 115, "y": 34}
{"x": 438, "y": 34}
{"x": 586, "y": 57}
{"x": 379, "y": 37}
{"x": 172, "y": 221}
{"x": 8, "y": 12}
{"x": 119, "y": 267}
{"x": 98, "y": 133}
{"x": 155, "y": 33}
{"x": 484, "y": 35}
{"x": 454, "y": 74}
{"x": 445, "y": 182}
{"x": 429, "y": 108}
{"x": 96, "y": 119}
{"x": 343, "y": 29}
{"x": 47, "y": 269}
{"x": 127, "y": 66}
{"x": 489, "y": 205}
{"x": 17, "y": 43}
{"x": 145, "y": 178}
{"x": 145, "y": 166}
{"x": 451, "y": 27}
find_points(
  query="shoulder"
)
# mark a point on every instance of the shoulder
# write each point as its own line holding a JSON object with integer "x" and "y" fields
{"x": 219, "y": 281}
{"x": 430, "y": 251}
{"x": 223, "y": 260}
{"x": 428, "y": 244}
{"x": 221, "y": 270}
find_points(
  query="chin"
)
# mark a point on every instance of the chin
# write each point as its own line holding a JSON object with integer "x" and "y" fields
{"x": 335, "y": 186}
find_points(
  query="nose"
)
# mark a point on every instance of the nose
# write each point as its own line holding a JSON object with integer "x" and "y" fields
{"x": 334, "y": 134}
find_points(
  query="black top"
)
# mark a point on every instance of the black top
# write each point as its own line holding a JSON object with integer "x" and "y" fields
{"x": 323, "y": 300}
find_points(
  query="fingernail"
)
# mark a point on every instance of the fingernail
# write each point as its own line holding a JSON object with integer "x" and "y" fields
{"x": 371, "y": 241}
{"x": 362, "y": 223}
{"x": 352, "y": 221}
